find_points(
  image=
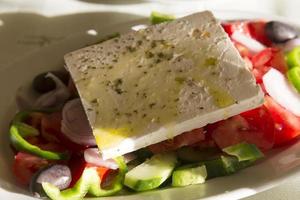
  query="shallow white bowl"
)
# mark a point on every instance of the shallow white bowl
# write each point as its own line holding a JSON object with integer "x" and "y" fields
{"x": 279, "y": 166}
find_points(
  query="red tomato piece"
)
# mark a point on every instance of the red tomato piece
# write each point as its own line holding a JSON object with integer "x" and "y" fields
{"x": 77, "y": 164}
{"x": 264, "y": 60}
{"x": 35, "y": 119}
{"x": 45, "y": 145}
{"x": 184, "y": 139}
{"x": 25, "y": 165}
{"x": 255, "y": 126}
{"x": 257, "y": 31}
{"x": 287, "y": 125}
{"x": 244, "y": 51}
{"x": 51, "y": 125}
{"x": 231, "y": 27}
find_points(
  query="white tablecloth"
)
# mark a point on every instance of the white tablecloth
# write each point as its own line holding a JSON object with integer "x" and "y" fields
{"x": 28, "y": 25}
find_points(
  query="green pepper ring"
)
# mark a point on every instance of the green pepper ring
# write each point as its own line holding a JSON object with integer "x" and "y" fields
{"x": 88, "y": 183}
{"x": 293, "y": 57}
{"x": 19, "y": 130}
{"x": 294, "y": 77}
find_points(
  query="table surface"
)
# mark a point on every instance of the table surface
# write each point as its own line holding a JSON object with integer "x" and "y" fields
{"x": 26, "y": 26}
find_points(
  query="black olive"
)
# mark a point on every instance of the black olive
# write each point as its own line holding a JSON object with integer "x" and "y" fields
{"x": 43, "y": 84}
{"x": 58, "y": 175}
{"x": 279, "y": 32}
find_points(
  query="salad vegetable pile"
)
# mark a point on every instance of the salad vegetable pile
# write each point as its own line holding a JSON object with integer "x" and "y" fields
{"x": 56, "y": 154}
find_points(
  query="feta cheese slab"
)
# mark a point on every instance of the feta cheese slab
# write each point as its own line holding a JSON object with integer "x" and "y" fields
{"x": 150, "y": 85}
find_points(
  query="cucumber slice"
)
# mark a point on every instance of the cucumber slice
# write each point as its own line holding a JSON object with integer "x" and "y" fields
{"x": 152, "y": 173}
{"x": 189, "y": 176}
{"x": 222, "y": 166}
{"x": 244, "y": 151}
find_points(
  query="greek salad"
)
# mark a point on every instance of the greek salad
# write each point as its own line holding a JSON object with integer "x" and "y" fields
{"x": 55, "y": 153}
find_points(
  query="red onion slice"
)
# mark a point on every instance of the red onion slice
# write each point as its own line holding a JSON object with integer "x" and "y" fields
{"x": 93, "y": 156}
{"x": 54, "y": 98}
{"x": 252, "y": 44}
{"x": 279, "y": 88}
{"x": 291, "y": 44}
{"x": 75, "y": 124}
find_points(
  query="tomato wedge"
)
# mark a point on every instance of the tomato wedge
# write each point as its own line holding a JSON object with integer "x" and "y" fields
{"x": 257, "y": 31}
{"x": 184, "y": 139}
{"x": 25, "y": 165}
{"x": 264, "y": 60}
{"x": 231, "y": 27}
{"x": 287, "y": 125}
{"x": 50, "y": 127}
{"x": 77, "y": 165}
{"x": 255, "y": 126}
{"x": 244, "y": 51}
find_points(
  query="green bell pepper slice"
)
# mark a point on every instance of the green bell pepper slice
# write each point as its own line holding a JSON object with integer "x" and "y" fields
{"x": 157, "y": 18}
{"x": 19, "y": 130}
{"x": 294, "y": 77}
{"x": 293, "y": 58}
{"x": 89, "y": 183}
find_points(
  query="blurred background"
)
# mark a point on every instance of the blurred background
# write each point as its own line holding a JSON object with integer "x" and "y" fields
{"x": 289, "y": 8}
{"x": 28, "y": 25}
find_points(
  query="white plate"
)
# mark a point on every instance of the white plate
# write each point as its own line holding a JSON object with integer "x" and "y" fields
{"x": 276, "y": 167}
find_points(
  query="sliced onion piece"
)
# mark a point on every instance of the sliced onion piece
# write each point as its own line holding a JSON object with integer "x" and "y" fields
{"x": 75, "y": 124}
{"x": 252, "y": 44}
{"x": 54, "y": 98}
{"x": 291, "y": 44}
{"x": 93, "y": 156}
{"x": 279, "y": 88}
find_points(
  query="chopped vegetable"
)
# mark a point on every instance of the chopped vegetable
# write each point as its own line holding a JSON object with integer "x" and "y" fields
{"x": 255, "y": 127}
{"x": 258, "y": 32}
{"x": 294, "y": 77}
{"x": 75, "y": 124}
{"x": 43, "y": 84}
{"x": 286, "y": 124}
{"x": 26, "y": 165}
{"x": 189, "y": 176}
{"x": 290, "y": 45}
{"x": 225, "y": 165}
{"x": 279, "y": 32}
{"x": 89, "y": 183}
{"x": 184, "y": 139}
{"x": 264, "y": 60}
{"x": 54, "y": 98}
{"x": 244, "y": 151}
{"x": 152, "y": 173}
{"x": 278, "y": 87}
{"x": 239, "y": 26}
{"x": 58, "y": 175}
{"x": 157, "y": 18}
{"x": 293, "y": 58}
{"x": 253, "y": 45}
{"x": 19, "y": 130}
{"x": 51, "y": 131}
{"x": 93, "y": 156}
